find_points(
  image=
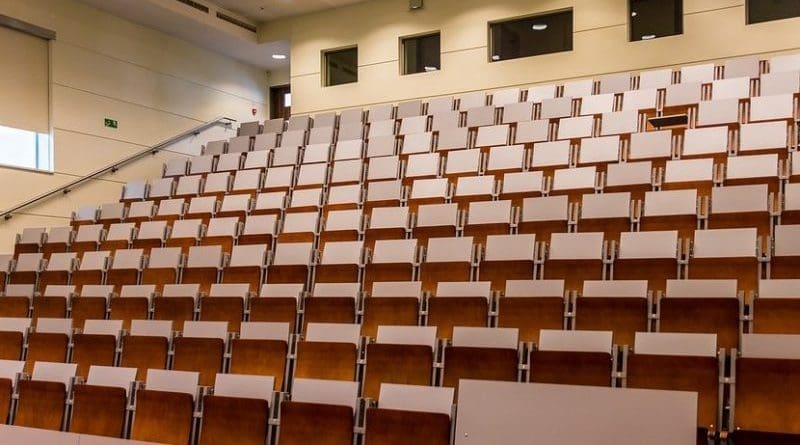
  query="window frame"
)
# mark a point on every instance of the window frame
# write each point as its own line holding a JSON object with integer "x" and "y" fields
{"x": 679, "y": 32}
{"x": 324, "y": 61}
{"x": 490, "y": 47}
{"x": 402, "y": 44}
{"x": 747, "y": 16}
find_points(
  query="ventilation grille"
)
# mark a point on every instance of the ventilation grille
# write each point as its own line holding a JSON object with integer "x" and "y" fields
{"x": 195, "y": 5}
{"x": 235, "y": 21}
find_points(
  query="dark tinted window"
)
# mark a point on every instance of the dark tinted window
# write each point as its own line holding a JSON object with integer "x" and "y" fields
{"x": 421, "y": 54}
{"x": 766, "y": 10}
{"x": 531, "y": 36}
{"x": 341, "y": 66}
{"x": 651, "y": 19}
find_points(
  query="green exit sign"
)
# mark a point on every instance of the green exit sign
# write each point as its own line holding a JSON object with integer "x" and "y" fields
{"x": 110, "y": 123}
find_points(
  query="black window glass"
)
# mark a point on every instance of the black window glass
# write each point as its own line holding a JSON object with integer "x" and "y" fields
{"x": 531, "y": 36}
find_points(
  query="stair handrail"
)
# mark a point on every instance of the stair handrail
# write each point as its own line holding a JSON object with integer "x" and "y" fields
{"x": 114, "y": 166}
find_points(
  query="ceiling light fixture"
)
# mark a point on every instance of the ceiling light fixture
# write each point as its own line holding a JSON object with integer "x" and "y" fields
{"x": 279, "y": 56}
{"x": 496, "y": 57}
{"x": 633, "y": 14}
{"x": 431, "y": 69}
{"x": 539, "y": 26}
{"x": 648, "y": 37}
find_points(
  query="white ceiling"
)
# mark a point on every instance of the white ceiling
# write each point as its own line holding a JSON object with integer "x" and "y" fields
{"x": 265, "y": 10}
{"x": 203, "y": 30}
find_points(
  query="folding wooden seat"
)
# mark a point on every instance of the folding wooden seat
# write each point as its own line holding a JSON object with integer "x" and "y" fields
{"x": 319, "y": 408}
{"x": 436, "y": 220}
{"x": 416, "y": 124}
{"x": 341, "y": 225}
{"x": 505, "y": 97}
{"x": 318, "y": 152}
{"x": 783, "y": 263}
{"x": 635, "y": 178}
{"x": 539, "y": 92}
{"x": 223, "y": 232}
{"x": 429, "y": 191}
{"x": 185, "y": 233}
{"x": 611, "y": 213}
{"x": 165, "y": 408}
{"x": 794, "y": 175}
{"x": 201, "y": 348}
{"x": 53, "y": 302}
{"x": 298, "y": 123}
{"x": 508, "y": 257}
{"x": 163, "y": 267}
{"x": 689, "y": 173}
{"x": 203, "y": 208}
{"x": 343, "y": 197}
{"x": 731, "y": 87}
{"x": 532, "y": 131}
{"x": 58, "y": 269}
{"x": 764, "y": 137}
{"x": 290, "y": 140}
{"x": 30, "y": 240}
{"x": 111, "y": 213}
{"x": 83, "y": 216}
{"x": 650, "y": 145}
{"x": 238, "y": 206}
{"x": 481, "y": 353}
{"x": 596, "y": 104}
{"x": 26, "y": 269}
{"x": 348, "y": 149}
{"x": 702, "y": 306}
{"x": 555, "y": 108}
{"x": 312, "y": 176}
{"x": 91, "y": 269}
{"x": 516, "y": 113}
{"x": 49, "y": 341}
{"x": 391, "y": 303}
{"x": 189, "y": 186}
{"x": 233, "y": 161}
{"x": 727, "y": 253}
{"x": 756, "y": 169}
{"x": 575, "y": 127}
{"x": 291, "y": 263}
{"x": 458, "y": 303}
{"x": 640, "y": 100}
{"x": 741, "y": 67}
{"x": 521, "y": 185}
{"x": 765, "y": 408}
{"x": 480, "y": 116}
{"x": 682, "y": 98}
{"x": 241, "y": 143}
{"x": 379, "y": 146}
{"x": 161, "y": 189}
{"x": 574, "y": 182}
{"x": 463, "y": 163}
{"x": 217, "y": 184}
{"x": 400, "y": 354}
{"x": 261, "y": 349}
{"x": 438, "y": 105}
{"x": 96, "y": 345}
{"x": 340, "y": 261}
{"x": 384, "y": 194}
{"x": 238, "y": 410}
{"x": 134, "y": 191}
{"x": 265, "y": 141}
{"x": 409, "y": 108}
{"x": 42, "y": 400}
{"x": 170, "y": 210}
{"x": 449, "y": 258}
{"x": 133, "y": 303}
{"x": 544, "y": 216}
{"x": 623, "y": 307}
{"x": 88, "y": 237}
{"x": 547, "y": 156}
{"x": 671, "y": 210}
{"x": 331, "y": 303}
{"x": 328, "y": 351}
{"x": 572, "y": 358}
{"x": 99, "y": 406}
{"x": 780, "y": 82}
{"x": 599, "y": 151}
{"x": 422, "y": 166}
{"x": 307, "y": 200}
{"x": 711, "y": 142}
{"x": 387, "y": 223}
{"x": 10, "y": 371}
{"x": 146, "y": 346}
{"x": 391, "y": 260}
{"x": 299, "y": 227}
{"x": 119, "y": 237}
{"x": 349, "y": 171}
{"x": 59, "y": 239}
{"x": 768, "y": 108}
{"x": 250, "y": 128}
{"x": 177, "y": 302}
{"x": 383, "y": 127}
{"x": 201, "y": 165}
{"x": 13, "y": 336}
{"x": 141, "y": 211}
{"x": 350, "y": 131}
{"x": 246, "y": 265}
{"x": 215, "y": 147}
{"x": 247, "y": 182}
{"x": 655, "y": 78}
{"x": 742, "y": 205}
{"x": 126, "y": 268}
{"x": 259, "y": 229}
{"x": 623, "y": 123}
{"x": 652, "y": 256}
{"x": 258, "y": 159}
{"x": 418, "y": 414}
{"x": 472, "y": 100}
{"x": 277, "y": 303}
{"x": 774, "y": 310}
{"x": 473, "y": 188}
{"x": 486, "y": 218}
{"x": 225, "y": 303}
{"x": 455, "y": 138}
{"x": 5, "y": 268}
{"x": 279, "y": 178}
{"x": 681, "y": 362}
{"x": 91, "y": 303}
{"x": 724, "y": 112}
{"x": 321, "y": 135}
{"x": 203, "y": 266}
{"x": 576, "y": 257}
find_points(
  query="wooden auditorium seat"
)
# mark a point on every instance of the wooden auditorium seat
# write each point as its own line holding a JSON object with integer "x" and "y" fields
{"x": 96, "y": 344}
{"x": 508, "y": 257}
{"x": 775, "y": 308}
{"x": 100, "y": 406}
{"x": 165, "y": 407}
{"x": 49, "y": 341}
{"x": 201, "y": 348}
{"x": 410, "y": 414}
{"x": 238, "y": 410}
{"x": 391, "y": 303}
{"x": 652, "y": 256}
{"x": 320, "y": 411}
{"x": 146, "y": 346}
{"x": 532, "y": 305}
{"x": 133, "y": 303}
{"x": 42, "y": 400}
{"x": 13, "y": 336}
{"x": 331, "y": 303}
{"x": 10, "y": 372}
{"x": 622, "y": 307}
{"x": 459, "y": 303}
{"x": 573, "y": 358}
{"x": 481, "y": 353}
{"x": 261, "y": 349}
{"x": 400, "y": 354}
{"x": 328, "y": 351}
{"x": 177, "y": 303}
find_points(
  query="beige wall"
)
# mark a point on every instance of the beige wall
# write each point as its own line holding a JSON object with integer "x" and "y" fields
{"x": 155, "y": 85}
{"x": 713, "y": 29}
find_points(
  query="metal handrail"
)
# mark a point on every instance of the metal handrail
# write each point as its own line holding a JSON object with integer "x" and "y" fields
{"x": 113, "y": 167}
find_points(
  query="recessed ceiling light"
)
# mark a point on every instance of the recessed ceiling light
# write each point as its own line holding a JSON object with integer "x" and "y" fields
{"x": 431, "y": 68}
{"x": 279, "y": 56}
{"x": 496, "y": 57}
{"x": 539, "y": 26}
{"x": 648, "y": 37}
